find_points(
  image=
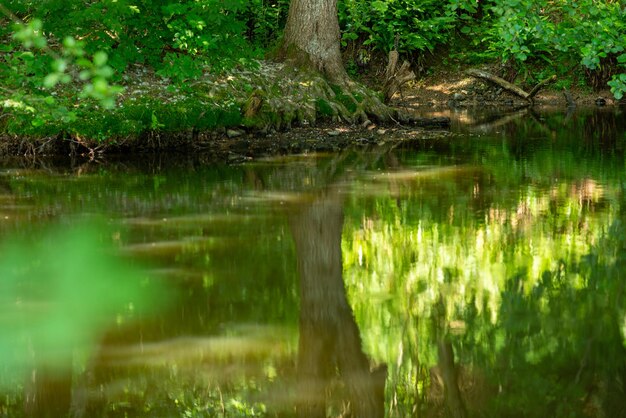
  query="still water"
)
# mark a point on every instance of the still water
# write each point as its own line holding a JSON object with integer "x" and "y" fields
{"x": 475, "y": 275}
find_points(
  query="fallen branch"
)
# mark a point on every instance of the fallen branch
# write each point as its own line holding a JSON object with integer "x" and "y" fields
{"x": 509, "y": 86}
{"x": 500, "y": 82}
{"x": 540, "y": 85}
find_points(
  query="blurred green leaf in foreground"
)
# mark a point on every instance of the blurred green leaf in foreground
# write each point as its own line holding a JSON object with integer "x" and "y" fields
{"x": 59, "y": 292}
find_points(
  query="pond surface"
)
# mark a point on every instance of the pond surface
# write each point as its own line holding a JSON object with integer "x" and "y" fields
{"x": 481, "y": 274}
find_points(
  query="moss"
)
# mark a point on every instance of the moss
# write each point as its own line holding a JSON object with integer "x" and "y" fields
{"x": 336, "y": 89}
{"x": 324, "y": 108}
{"x": 348, "y": 102}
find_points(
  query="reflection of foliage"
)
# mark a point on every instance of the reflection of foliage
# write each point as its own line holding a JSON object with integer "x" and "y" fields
{"x": 566, "y": 337}
{"x": 185, "y": 222}
{"x": 207, "y": 377}
{"x": 531, "y": 283}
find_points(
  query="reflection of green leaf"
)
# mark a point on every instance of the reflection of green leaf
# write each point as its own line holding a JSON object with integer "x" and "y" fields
{"x": 60, "y": 293}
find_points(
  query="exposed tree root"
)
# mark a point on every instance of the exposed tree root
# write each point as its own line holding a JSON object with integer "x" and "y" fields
{"x": 285, "y": 96}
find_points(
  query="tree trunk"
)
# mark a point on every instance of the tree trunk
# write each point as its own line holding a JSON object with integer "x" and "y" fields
{"x": 312, "y": 38}
{"x": 330, "y": 341}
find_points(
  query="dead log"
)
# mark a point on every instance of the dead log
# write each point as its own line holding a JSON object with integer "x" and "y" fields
{"x": 499, "y": 81}
{"x": 509, "y": 86}
{"x": 396, "y": 77}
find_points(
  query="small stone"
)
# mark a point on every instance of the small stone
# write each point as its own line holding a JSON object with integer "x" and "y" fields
{"x": 333, "y": 133}
{"x": 459, "y": 97}
{"x": 233, "y": 133}
{"x": 381, "y": 131}
{"x": 366, "y": 123}
{"x": 371, "y": 127}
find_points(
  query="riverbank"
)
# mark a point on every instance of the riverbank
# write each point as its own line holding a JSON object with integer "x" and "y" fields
{"x": 455, "y": 88}
{"x": 271, "y": 109}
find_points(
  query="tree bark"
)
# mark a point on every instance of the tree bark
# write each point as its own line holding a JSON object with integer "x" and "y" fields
{"x": 329, "y": 337}
{"x": 312, "y": 38}
{"x": 395, "y": 78}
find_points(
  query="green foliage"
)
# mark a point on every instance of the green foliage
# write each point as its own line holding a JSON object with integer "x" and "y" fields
{"x": 521, "y": 29}
{"x": 618, "y": 86}
{"x": 588, "y": 33}
{"x": 562, "y": 34}
{"x": 418, "y": 25}
{"x": 265, "y": 20}
{"x": 59, "y": 56}
{"x": 213, "y": 33}
{"x": 208, "y": 29}
{"x": 33, "y": 70}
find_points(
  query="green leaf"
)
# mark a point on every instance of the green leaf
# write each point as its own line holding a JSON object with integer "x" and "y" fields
{"x": 51, "y": 80}
{"x": 69, "y": 42}
{"x": 59, "y": 65}
{"x": 84, "y": 75}
{"x": 100, "y": 58}
{"x": 380, "y": 6}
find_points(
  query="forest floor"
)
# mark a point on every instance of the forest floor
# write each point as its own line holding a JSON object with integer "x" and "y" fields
{"x": 437, "y": 95}
{"x": 446, "y": 87}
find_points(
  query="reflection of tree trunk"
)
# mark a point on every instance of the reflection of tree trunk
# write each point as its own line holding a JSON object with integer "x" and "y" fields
{"x": 329, "y": 336}
{"x": 455, "y": 407}
{"x": 452, "y": 395}
{"x": 48, "y": 393}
